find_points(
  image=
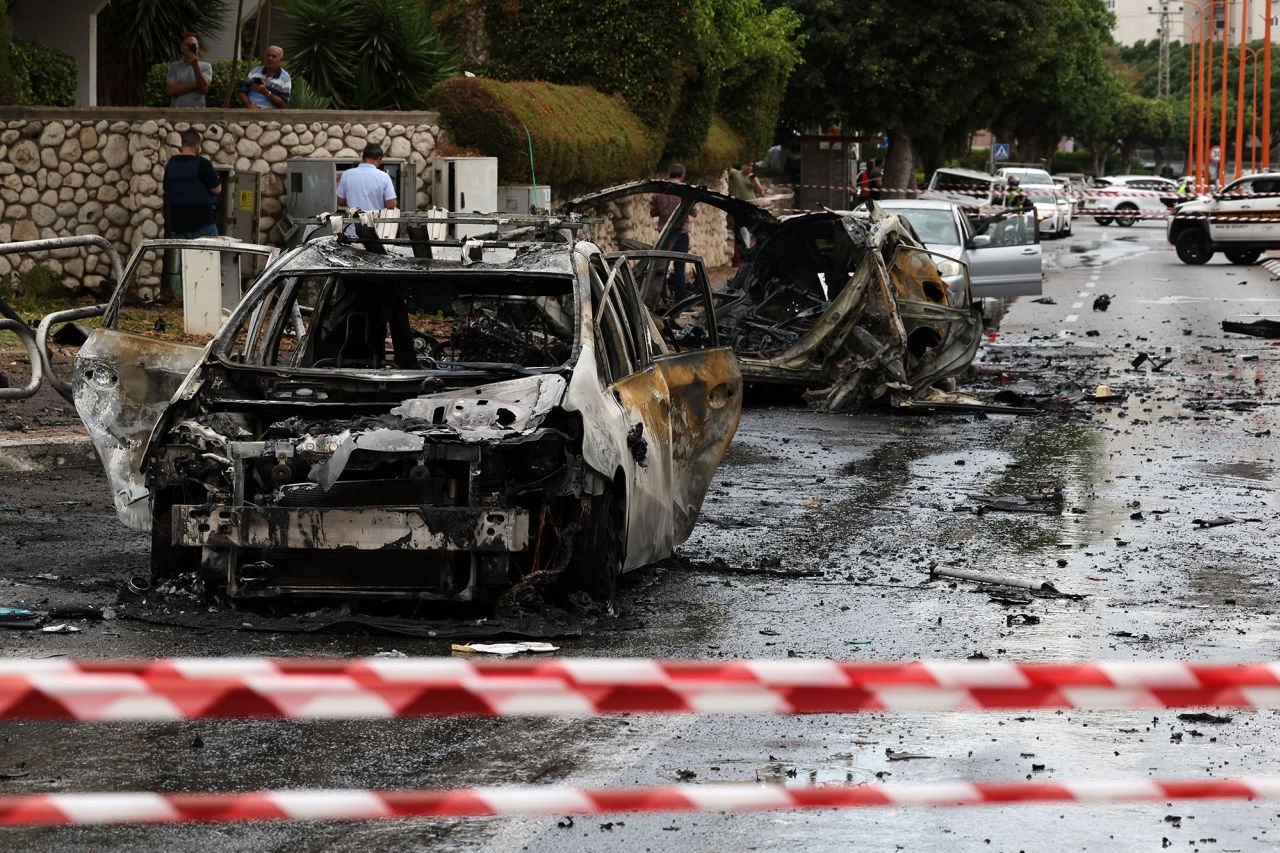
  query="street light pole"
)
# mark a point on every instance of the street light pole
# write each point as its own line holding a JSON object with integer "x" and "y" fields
{"x": 1244, "y": 46}
{"x": 1222, "y": 126}
{"x": 1253, "y": 113}
{"x": 1266, "y": 92}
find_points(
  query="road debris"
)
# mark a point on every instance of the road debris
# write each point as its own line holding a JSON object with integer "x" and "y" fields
{"x": 1000, "y": 580}
{"x": 1220, "y": 521}
{"x": 504, "y": 648}
{"x": 1204, "y": 717}
{"x": 1256, "y": 329}
{"x": 1102, "y": 302}
{"x": 893, "y": 755}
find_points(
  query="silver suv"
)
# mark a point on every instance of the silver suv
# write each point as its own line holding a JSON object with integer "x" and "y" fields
{"x": 1241, "y": 221}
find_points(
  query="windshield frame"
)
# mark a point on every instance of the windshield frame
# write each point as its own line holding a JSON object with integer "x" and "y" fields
{"x": 221, "y": 347}
{"x": 906, "y": 214}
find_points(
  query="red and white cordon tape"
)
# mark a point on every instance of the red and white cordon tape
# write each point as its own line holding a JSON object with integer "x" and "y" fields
{"x": 352, "y": 805}
{"x": 196, "y": 688}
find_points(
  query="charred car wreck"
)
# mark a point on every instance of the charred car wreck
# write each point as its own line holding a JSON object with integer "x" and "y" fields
{"x": 416, "y": 418}
{"x": 849, "y": 306}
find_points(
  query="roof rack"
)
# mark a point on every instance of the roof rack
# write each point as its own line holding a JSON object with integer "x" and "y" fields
{"x": 426, "y": 229}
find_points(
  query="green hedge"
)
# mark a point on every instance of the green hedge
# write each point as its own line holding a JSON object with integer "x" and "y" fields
{"x": 582, "y": 139}
{"x": 45, "y": 77}
{"x": 723, "y": 148}
{"x": 1071, "y": 161}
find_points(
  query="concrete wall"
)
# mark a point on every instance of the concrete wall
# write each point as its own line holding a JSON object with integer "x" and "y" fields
{"x": 101, "y": 170}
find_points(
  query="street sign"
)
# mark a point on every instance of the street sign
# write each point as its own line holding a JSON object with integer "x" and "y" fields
{"x": 1215, "y": 153}
{"x": 1000, "y": 151}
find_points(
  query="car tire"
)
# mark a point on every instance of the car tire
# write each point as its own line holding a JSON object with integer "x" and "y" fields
{"x": 1243, "y": 257}
{"x": 1126, "y": 215}
{"x": 1102, "y": 220}
{"x": 599, "y": 549}
{"x": 1193, "y": 247}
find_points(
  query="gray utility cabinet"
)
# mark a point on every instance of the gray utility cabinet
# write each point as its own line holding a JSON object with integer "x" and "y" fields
{"x": 311, "y": 183}
{"x": 239, "y": 204}
{"x": 520, "y": 198}
{"x": 828, "y": 168}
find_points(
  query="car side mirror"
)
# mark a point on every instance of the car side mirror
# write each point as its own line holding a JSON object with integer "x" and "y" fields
{"x": 980, "y": 241}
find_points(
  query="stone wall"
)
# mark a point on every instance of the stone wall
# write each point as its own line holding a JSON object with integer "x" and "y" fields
{"x": 100, "y": 170}
{"x": 629, "y": 220}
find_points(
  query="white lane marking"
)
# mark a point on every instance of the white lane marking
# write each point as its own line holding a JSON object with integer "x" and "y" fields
{"x": 1092, "y": 284}
{"x": 1071, "y": 318}
{"x": 1077, "y": 304}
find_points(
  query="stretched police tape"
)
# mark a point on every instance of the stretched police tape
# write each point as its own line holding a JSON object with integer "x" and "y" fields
{"x": 350, "y": 805}
{"x": 196, "y": 688}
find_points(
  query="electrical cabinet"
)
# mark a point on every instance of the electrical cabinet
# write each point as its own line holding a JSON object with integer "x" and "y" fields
{"x": 311, "y": 183}
{"x": 521, "y": 198}
{"x": 465, "y": 185}
{"x": 239, "y": 205}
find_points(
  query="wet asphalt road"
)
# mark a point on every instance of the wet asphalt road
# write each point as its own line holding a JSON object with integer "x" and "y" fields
{"x": 870, "y": 500}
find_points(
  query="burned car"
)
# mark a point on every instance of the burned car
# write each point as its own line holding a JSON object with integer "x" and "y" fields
{"x": 849, "y": 306}
{"x": 414, "y": 418}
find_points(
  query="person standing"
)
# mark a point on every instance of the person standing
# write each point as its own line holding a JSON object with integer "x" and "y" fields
{"x": 661, "y": 207}
{"x": 191, "y": 189}
{"x": 187, "y": 82}
{"x": 875, "y": 178}
{"x": 268, "y": 85}
{"x": 745, "y": 185}
{"x": 366, "y": 186}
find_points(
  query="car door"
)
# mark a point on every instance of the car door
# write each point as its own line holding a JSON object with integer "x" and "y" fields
{"x": 1265, "y": 227}
{"x": 1005, "y": 257}
{"x": 129, "y": 368}
{"x": 1234, "y": 210}
{"x": 703, "y": 381}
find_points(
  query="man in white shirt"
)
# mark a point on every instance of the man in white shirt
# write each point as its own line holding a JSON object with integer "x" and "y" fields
{"x": 366, "y": 186}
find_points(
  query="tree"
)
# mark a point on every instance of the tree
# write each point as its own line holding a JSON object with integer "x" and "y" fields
{"x": 133, "y": 35}
{"x": 367, "y": 54}
{"x": 8, "y": 82}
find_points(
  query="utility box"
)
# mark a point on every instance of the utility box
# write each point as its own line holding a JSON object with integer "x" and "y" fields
{"x": 522, "y": 198}
{"x": 828, "y": 169}
{"x": 311, "y": 183}
{"x": 211, "y": 287}
{"x": 465, "y": 185}
{"x": 239, "y": 204}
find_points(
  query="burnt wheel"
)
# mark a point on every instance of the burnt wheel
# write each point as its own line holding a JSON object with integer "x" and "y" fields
{"x": 599, "y": 548}
{"x": 1193, "y": 247}
{"x": 1244, "y": 257}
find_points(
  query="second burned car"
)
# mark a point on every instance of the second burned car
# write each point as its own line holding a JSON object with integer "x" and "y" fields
{"x": 849, "y": 306}
{"x": 441, "y": 421}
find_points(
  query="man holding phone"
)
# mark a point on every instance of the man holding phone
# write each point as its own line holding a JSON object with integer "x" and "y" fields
{"x": 268, "y": 85}
{"x": 187, "y": 82}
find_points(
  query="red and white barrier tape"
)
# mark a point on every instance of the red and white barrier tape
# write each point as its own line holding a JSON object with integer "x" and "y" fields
{"x": 350, "y": 805}
{"x": 195, "y": 688}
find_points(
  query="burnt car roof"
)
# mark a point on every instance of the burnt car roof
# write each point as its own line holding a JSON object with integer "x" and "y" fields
{"x": 740, "y": 209}
{"x": 331, "y": 253}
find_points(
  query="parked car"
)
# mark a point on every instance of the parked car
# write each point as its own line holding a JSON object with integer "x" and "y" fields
{"x": 1026, "y": 175}
{"x": 428, "y": 422}
{"x": 1124, "y": 199}
{"x": 1073, "y": 186}
{"x": 1002, "y": 254}
{"x": 976, "y": 193}
{"x": 849, "y": 306}
{"x": 1241, "y": 221}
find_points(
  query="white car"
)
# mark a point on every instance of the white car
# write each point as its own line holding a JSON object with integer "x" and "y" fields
{"x": 1003, "y": 255}
{"x": 1241, "y": 221}
{"x": 1124, "y": 199}
{"x": 1053, "y": 209}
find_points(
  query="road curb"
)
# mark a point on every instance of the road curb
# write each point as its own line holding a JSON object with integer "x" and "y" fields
{"x": 25, "y": 455}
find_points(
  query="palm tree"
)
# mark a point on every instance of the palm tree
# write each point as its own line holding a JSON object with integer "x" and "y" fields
{"x": 133, "y": 35}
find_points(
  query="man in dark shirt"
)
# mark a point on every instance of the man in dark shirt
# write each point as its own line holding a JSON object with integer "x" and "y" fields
{"x": 191, "y": 188}
{"x": 661, "y": 207}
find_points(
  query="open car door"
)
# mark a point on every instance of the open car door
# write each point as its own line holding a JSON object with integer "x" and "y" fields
{"x": 155, "y": 330}
{"x": 1005, "y": 257}
{"x": 701, "y": 375}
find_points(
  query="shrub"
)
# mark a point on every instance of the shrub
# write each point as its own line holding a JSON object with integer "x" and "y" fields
{"x": 723, "y": 148}
{"x": 367, "y": 54}
{"x": 582, "y": 139}
{"x": 1071, "y": 161}
{"x": 45, "y": 77}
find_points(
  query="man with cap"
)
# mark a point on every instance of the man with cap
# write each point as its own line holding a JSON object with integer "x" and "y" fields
{"x": 366, "y": 186}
